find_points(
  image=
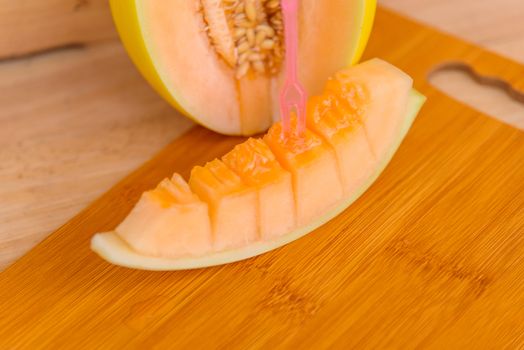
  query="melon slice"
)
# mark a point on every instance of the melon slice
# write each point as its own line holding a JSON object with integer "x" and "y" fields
{"x": 169, "y": 221}
{"x": 254, "y": 162}
{"x": 220, "y": 61}
{"x": 374, "y": 80}
{"x": 342, "y": 127}
{"x": 340, "y": 124}
{"x": 311, "y": 162}
{"x": 232, "y": 204}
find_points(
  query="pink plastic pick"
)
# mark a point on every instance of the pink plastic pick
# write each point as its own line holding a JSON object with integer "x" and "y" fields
{"x": 293, "y": 94}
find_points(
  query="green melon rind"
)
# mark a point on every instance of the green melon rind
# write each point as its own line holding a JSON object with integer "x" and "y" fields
{"x": 113, "y": 249}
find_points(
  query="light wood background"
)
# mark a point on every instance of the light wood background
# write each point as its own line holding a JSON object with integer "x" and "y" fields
{"x": 65, "y": 138}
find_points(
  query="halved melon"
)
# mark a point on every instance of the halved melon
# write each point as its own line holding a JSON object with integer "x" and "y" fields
{"x": 324, "y": 171}
{"x": 220, "y": 61}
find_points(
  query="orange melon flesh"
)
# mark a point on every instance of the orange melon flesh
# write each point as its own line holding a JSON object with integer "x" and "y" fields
{"x": 311, "y": 162}
{"x": 383, "y": 99}
{"x": 149, "y": 228}
{"x": 232, "y": 204}
{"x": 169, "y": 42}
{"x": 254, "y": 162}
{"x": 342, "y": 126}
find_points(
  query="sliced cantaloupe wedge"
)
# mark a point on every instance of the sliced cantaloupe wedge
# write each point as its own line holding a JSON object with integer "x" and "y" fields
{"x": 232, "y": 204}
{"x": 328, "y": 168}
{"x": 254, "y": 162}
{"x": 220, "y": 62}
{"x": 365, "y": 84}
{"x": 311, "y": 162}
{"x": 342, "y": 128}
{"x": 149, "y": 227}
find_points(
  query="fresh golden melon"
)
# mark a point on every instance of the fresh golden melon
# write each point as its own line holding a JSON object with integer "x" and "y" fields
{"x": 220, "y": 62}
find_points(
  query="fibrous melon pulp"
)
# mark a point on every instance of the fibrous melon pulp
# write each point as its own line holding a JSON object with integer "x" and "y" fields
{"x": 220, "y": 61}
{"x": 270, "y": 191}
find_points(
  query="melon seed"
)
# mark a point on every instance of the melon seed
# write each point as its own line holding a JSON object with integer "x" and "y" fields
{"x": 250, "y": 10}
{"x": 242, "y": 70}
{"x": 243, "y": 47}
{"x": 250, "y": 35}
{"x": 243, "y": 57}
{"x": 239, "y": 33}
{"x": 273, "y": 4}
{"x": 255, "y": 57}
{"x": 266, "y": 29}
{"x": 259, "y": 67}
{"x": 260, "y": 37}
{"x": 239, "y": 8}
{"x": 267, "y": 44}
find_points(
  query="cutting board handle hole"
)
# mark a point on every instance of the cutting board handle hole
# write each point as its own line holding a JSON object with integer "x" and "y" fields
{"x": 488, "y": 94}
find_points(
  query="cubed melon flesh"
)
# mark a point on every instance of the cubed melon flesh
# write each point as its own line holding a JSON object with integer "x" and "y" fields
{"x": 254, "y": 162}
{"x": 350, "y": 138}
{"x": 168, "y": 221}
{"x": 383, "y": 98}
{"x": 232, "y": 204}
{"x": 311, "y": 162}
{"x": 341, "y": 127}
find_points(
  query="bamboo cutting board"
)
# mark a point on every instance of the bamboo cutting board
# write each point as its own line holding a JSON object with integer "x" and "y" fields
{"x": 432, "y": 255}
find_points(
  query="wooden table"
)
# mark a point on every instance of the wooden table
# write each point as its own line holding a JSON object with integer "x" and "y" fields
{"x": 54, "y": 160}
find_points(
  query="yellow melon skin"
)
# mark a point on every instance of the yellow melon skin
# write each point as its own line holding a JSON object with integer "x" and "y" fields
{"x": 115, "y": 250}
{"x": 176, "y": 60}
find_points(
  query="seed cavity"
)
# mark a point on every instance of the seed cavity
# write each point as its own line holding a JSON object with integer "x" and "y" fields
{"x": 246, "y": 34}
{"x": 219, "y": 30}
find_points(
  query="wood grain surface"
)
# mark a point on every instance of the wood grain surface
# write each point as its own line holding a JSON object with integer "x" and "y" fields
{"x": 28, "y": 26}
{"x": 99, "y": 119}
{"x": 432, "y": 256}
{"x": 74, "y": 121}
{"x": 496, "y": 25}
